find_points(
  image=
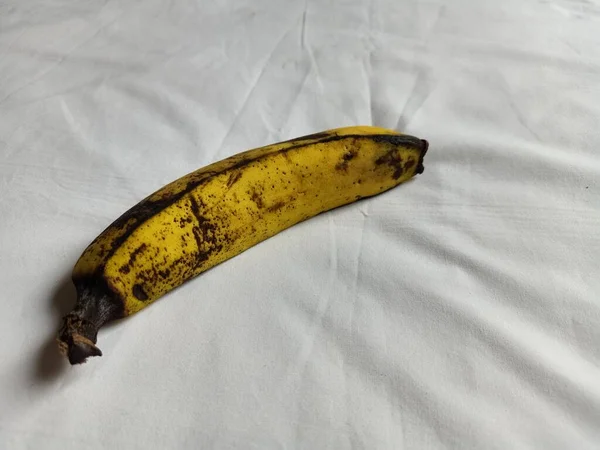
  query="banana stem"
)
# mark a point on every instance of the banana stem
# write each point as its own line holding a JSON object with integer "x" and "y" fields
{"x": 78, "y": 333}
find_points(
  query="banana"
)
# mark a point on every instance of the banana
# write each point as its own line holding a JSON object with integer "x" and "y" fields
{"x": 221, "y": 210}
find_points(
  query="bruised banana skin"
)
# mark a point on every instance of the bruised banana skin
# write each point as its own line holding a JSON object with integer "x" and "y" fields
{"x": 221, "y": 210}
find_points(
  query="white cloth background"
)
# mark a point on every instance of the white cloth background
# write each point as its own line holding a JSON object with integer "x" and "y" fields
{"x": 458, "y": 311}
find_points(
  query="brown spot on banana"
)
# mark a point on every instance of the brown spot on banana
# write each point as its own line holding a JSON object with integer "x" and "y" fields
{"x": 392, "y": 159}
{"x": 346, "y": 158}
{"x": 277, "y": 206}
{"x": 233, "y": 178}
{"x": 139, "y": 293}
{"x": 205, "y": 233}
{"x": 127, "y": 267}
{"x": 256, "y": 197}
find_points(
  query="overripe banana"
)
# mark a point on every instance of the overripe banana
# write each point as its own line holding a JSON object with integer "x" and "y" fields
{"x": 219, "y": 211}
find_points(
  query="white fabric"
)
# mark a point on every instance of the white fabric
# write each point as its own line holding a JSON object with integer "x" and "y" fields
{"x": 458, "y": 311}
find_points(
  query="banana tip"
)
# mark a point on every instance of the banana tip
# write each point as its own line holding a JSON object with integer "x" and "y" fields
{"x": 420, "y": 167}
{"x": 79, "y": 352}
{"x": 77, "y": 348}
{"x": 76, "y": 339}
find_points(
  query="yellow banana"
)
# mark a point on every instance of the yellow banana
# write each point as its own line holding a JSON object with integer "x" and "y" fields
{"x": 221, "y": 210}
